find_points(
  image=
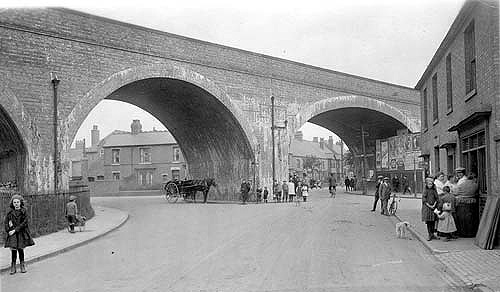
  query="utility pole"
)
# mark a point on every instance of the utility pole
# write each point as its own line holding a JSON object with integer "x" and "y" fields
{"x": 272, "y": 138}
{"x": 364, "y": 162}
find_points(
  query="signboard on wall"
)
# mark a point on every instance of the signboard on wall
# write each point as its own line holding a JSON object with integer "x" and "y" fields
{"x": 398, "y": 153}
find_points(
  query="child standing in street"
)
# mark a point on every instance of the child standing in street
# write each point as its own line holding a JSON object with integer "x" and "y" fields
{"x": 446, "y": 223}
{"x": 266, "y": 193}
{"x": 18, "y": 234}
{"x": 71, "y": 212}
{"x": 305, "y": 192}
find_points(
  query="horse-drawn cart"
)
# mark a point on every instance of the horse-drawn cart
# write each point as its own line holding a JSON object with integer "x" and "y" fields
{"x": 187, "y": 189}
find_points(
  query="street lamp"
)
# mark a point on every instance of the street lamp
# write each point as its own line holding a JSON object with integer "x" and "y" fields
{"x": 55, "y": 83}
{"x": 273, "y": 127}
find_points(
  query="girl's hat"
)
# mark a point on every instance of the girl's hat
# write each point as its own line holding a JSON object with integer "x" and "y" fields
{"x": 19, "y": 197}
{"x": 72, "y": 198}
{"x": 446, "y": 206}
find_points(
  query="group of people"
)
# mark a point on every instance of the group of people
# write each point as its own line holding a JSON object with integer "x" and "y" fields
{"x": 439, "y": 202}
{"x": 8, "y": 185}
{"x": 287, "y": 191}
{"x": 350, "y": 183}
{"x": 17, "y": 231}
{"x": 383, "y": 193}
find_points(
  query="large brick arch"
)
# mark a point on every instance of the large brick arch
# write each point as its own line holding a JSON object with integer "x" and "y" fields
{"x": 213, "y": 133}
{"x": 165, "y": 70}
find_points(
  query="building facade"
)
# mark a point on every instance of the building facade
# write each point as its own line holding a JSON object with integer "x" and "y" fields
{"x": 325, "y": 155}
{"x": 460, "y": 101}
{"x": 128, "y": 161}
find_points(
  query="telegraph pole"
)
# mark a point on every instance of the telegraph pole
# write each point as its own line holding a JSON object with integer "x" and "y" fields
{"x": 364, "y": 162}
{"x": 272, "y": 138}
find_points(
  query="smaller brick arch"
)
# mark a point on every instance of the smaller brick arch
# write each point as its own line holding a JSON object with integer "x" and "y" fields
{"x": 355, "y": 101}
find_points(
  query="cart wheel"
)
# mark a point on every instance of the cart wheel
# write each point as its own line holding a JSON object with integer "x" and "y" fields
{"x": 172, "y": 192}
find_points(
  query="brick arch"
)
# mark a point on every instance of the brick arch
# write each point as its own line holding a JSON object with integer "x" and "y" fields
{"x": 165, "y": 70}
{"x": 355, "y": 101}
{"x": 23, "y": 129}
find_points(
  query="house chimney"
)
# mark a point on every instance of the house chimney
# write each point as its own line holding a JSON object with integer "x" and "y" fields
{"x": 330, "y": 142}
{"x": 299, "y": 136}
{"x": 315, "y": 139}
{"x": 94, "y": 136}
{"x": 136, "y": 127}
{"x": 322, "y": 143}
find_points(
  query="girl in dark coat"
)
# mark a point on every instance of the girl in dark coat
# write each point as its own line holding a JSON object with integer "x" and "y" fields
{"x": 429, "y": 203}
{"x": 18, "y": 234}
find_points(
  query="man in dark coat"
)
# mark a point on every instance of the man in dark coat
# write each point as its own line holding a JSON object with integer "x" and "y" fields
{"x": 385, "y": 194}
{"x": 347, "y": 182}
{"x": 244, "y": 189}
{"x": 379, "y": 182}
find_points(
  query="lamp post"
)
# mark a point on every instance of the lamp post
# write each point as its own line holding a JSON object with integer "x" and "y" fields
{"x": 273, "y": 127}
{"x": 55, "y": 83}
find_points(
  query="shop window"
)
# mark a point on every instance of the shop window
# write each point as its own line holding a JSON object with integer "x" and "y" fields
{"x": 474, "y": 158}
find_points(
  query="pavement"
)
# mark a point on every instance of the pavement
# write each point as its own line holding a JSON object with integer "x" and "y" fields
{"x": 104, "y": 221}
{"x": 478, "y": 268}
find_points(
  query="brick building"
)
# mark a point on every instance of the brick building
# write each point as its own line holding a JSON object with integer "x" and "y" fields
{"x": 326, "y": 153}
{"x": 128, "y": 161}
{"x": 460, "y": 108}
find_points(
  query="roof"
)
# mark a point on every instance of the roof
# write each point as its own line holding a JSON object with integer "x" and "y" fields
{"x": 120, "y": 139}
{"x": 303, "y": 148}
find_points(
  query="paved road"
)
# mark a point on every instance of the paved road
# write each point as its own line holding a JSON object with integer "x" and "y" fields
{"x": 322, "y": 245}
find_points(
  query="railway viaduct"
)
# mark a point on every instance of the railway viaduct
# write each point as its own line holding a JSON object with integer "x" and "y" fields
{"x": 214, "y": 99}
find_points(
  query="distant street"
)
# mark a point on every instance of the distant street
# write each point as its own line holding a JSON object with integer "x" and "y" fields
{"x": 322, "y": 245}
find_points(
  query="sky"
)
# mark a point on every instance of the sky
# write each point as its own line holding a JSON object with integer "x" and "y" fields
{"x": 388, "y": 40}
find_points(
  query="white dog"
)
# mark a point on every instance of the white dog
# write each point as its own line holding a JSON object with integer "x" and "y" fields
{"x": 402, "y": 229}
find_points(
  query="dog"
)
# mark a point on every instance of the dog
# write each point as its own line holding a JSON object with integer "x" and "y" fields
{"x": 402, "y": 230}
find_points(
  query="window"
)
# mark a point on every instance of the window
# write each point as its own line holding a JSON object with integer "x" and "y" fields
{"x": 424, "y": 104}
{"x": 115, "y": 156}
{"x": 116, "y": 175}
{"x": 177, "y": 154}
{"x": 470, "y": 59}
{"x": 435, "y": 112}
{"x": 145, "y": 155}
{"x": 145, "y": 177}
{"x": 436, "y": 159}
{"x": 449, "y": 90}
{"x": 474, "y": 157}
{"x": 101, "y": 152}
{"x": 100, "y": 177}
{"x": 298, "y": 163}
{"x": 91, "y": 178}
{"x": 176, "y": 173}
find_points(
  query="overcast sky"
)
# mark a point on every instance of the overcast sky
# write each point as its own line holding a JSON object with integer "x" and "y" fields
{"x": 391, "y": 40}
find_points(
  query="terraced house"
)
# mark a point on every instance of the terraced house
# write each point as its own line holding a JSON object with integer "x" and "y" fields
{"x": 460, "y": 108}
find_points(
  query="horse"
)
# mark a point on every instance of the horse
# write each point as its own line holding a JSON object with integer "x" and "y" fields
{"x": 191, "y": 187}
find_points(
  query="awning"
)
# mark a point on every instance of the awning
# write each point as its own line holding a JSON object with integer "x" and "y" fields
{"x": 450, "y": 144}
{"x": 475, "y": 117}
{"x": 424, "y": 155}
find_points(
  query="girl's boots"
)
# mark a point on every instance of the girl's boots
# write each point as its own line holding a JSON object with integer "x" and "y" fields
{"x": 23, "y": 267}
{"x": 13, "y": 268}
